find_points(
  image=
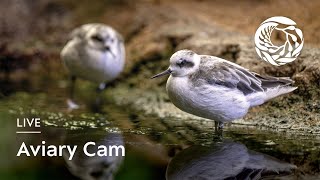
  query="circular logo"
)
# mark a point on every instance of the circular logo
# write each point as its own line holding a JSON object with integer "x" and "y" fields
{"x": 278, "y": 54}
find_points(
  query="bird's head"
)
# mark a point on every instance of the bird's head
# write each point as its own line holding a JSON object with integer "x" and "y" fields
{"x": 102, "y": 38}
{"x": 182, "y": 63}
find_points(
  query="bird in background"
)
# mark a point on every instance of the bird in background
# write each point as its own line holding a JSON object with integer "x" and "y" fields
{"x": 217, "y": 89}
{"x": 95, "y": 52}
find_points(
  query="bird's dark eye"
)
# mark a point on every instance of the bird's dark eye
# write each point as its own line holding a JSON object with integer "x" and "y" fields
{"x": 181, "y": 63}
{"x": 112, "y": 40}
{"x": 185, "y": 63}
{"x": 97, "y": 38}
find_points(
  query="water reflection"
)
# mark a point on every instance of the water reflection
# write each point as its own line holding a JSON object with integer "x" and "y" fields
{"x": 99, "y": 166}
{"x": 225, "y": 160}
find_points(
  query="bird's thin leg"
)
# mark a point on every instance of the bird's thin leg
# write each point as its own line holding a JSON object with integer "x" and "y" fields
{"x": 71, "y": 89}
{"x": 220, "y": 126}
{"x": 98, "y": 101}
{"x": 218, "y": 129}
{"x": 71, "y": 104}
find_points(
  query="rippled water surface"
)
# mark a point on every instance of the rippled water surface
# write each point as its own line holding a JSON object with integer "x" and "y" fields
{"x": 154, "y": 149}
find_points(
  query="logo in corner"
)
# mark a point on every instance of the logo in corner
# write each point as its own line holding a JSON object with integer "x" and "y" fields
{"x": 278, "y": 54}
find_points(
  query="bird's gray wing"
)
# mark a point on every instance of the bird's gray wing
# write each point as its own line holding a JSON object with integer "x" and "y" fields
{"x": 271, "y": 82}
{"x": 217, "y": 71}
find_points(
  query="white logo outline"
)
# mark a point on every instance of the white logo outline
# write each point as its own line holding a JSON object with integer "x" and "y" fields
{"x": 283, "y": 54}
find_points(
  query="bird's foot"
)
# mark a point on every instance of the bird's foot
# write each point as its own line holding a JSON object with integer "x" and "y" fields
{"x": 96, "y": 106}
{"x": 218, "y": 136}
{"x": 72, "y": 105}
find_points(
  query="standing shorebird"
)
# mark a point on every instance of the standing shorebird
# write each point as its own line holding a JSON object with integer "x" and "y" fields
{"x": 95, "y": 52}
{"x": 216, "y": 89}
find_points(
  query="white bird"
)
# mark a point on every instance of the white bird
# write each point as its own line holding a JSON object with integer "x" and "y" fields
{"x": 217, "y": 89}
{"x": 94, "y": 52}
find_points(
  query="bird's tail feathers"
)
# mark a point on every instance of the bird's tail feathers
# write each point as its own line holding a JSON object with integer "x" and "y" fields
{"x": 277, "y": 91}
{"x": 275, "y": 86}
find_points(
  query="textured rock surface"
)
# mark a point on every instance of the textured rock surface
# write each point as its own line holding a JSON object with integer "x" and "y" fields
{"x": 150, "y": 48}
{"x": 153, "y": 31}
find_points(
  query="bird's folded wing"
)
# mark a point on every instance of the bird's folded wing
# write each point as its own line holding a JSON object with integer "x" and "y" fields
{"x": 271, "y": 82}
{"x": 217, "y": 71}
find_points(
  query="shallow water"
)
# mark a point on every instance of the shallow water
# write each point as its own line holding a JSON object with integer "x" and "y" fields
{"x": 150, "y": 145}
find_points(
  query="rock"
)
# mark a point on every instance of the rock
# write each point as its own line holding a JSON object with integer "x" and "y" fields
{"x": 153, "y": 32}
{"x": 166, "y": 31}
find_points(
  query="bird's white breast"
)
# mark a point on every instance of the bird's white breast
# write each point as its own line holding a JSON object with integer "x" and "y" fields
{"x": 208, "y": 101}
{"x": 92, "y": 64}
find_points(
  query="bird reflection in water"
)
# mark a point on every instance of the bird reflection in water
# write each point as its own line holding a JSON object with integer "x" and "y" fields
{"x": 225, "y": 161}
{"x": 95, "y": 167}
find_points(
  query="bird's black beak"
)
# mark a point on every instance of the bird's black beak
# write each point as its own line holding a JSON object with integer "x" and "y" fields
{"x": 168, "y": 71}
{"x": 107, "y": 48}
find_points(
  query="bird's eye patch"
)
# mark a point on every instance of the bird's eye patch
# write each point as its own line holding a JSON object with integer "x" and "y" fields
{"x": 185, "y": 63}
{"x": 97, "y": 38}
